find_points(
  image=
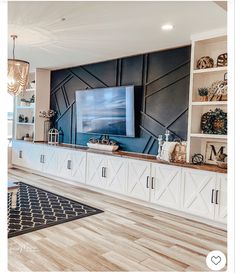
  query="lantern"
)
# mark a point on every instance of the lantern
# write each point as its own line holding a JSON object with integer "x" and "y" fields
{"x": 53, "y": 136}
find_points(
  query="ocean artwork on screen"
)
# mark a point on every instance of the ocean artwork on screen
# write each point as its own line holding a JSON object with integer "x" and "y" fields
{"x": 106, "y": 111}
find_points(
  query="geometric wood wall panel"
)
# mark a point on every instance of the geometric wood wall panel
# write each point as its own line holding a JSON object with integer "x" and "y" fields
{"x": 162, "y": 79}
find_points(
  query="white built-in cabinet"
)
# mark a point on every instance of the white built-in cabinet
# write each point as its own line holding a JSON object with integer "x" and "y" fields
{"x": 165, "y": 185}
{"x": 221, "y": 199}
{"x": 35, "y": 155}
{"x": 204, "y": 194}
{"x": 198, "y": 192}
{"x": 190, "y": 191}
{"x": 71, "y": 164}
{"x": 138, "y": 185}
{"x": 107, "y": 172}
{"x": 77, "y": 166}
{"x": 96, "y": 170}
{"x": 19, "y": 153}
{"x": 157, "y": 183}
{"x": 64, "y": 163}
{"x": 51, "y": 160}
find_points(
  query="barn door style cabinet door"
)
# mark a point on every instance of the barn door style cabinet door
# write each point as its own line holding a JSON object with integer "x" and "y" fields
{"x": 19, "y": 153}
{"x": 165, "y": 185}
{"x": 36, "y": 157}
{"x": 116, "y": 174}
{"x": 107, "y": 172}
{"x": 96, "y": 170}
{"x": 77, "y": 165}
{"x": 49, "y": 159}
{"x": 70, "y": 164}
{"x": 27, "y": 155}
{"x": 64, "y": 163}
{"x": 138, "y": 184}
{"x": 221, "y": 198}
{"x": 198, "y": 193}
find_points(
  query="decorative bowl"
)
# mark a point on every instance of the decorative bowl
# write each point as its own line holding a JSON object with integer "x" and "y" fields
{"x": 103, "y": 147}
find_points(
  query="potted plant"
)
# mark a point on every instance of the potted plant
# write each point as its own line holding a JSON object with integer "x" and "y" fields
{"x": 203, "y": 93}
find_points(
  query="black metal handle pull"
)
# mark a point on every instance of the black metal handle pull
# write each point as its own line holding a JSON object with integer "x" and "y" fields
{"x": 152, "y": 183}
{"x": 42, "y": 158}
{"x": 102, "y": 175}
{"x": 20, "y": 154}
{"x": 216, "y": 197}
{"x": 212, "y": 196}
{"x": 69, "y": 164}
{"x": 147, "y": 182}
{"x": 104, "y": 171}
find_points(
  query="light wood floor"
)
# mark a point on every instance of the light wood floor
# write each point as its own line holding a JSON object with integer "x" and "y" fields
{"x": 126, "y": 237}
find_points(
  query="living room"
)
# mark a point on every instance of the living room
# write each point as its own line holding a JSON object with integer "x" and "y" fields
{"x": 118, "y": 117}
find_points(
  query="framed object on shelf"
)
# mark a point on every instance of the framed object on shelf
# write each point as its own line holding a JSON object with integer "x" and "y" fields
{"x": 212, "y": 150}
{"x": 179, "y": 153}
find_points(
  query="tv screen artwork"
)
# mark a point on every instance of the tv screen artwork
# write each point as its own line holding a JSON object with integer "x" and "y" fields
{"x": 106, "y": 111}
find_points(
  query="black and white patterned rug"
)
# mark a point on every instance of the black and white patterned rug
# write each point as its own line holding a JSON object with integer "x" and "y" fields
{"x": 37, "y": 209}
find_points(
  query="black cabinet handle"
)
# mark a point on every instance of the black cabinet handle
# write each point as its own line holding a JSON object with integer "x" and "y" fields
{"x": 212, "y": 196}
{"x": 42, "y": 158}
{"x": 102, "y": 175}
{"x": 20, "y": 154}
{"x": 69, "y": 164}
{"x": 104, "y": 171}
{"x": 147, "y": 182}
{"x": 216, "y": 197}
{"x": 152, "y": 183}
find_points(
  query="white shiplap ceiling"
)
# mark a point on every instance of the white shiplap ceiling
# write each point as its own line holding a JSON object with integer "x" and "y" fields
{"x": 98, "y": 31}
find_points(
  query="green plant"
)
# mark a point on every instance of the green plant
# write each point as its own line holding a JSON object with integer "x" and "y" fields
{"x": 203, "y": 91}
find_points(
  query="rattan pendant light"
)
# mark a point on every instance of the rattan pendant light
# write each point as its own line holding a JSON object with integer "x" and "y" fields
{"x": 18, "y": 73}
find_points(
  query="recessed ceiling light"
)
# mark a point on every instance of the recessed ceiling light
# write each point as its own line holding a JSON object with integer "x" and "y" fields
{"x": 167, "y": 27}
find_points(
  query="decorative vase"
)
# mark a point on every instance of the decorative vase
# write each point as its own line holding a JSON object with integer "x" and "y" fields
{"x": 203, "y": 98}
{"x": 47, "y": 127}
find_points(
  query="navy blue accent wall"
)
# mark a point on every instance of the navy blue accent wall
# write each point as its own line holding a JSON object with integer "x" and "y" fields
{"x": 162, "y": 81}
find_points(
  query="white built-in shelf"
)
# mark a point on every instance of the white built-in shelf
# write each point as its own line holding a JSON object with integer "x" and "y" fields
{"x": 208, "y": 136}
{"x": 210, "y": 70}
{"x": 24, "y": 107}
{"x": 208, "y": 103}
{"x": 210, "y": 44}
{"x": 25, "y": 123}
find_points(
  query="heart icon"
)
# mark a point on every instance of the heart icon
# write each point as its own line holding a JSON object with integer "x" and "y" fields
{"x": 216, "y": 259}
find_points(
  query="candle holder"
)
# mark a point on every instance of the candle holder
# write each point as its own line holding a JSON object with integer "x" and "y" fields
{"x": 160, "y": 143}
{"x": 167, "y": 134}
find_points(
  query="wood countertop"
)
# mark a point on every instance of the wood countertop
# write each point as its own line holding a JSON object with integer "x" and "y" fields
{"x": 137, "y": 156}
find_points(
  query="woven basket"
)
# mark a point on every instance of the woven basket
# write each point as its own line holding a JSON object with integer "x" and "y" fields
{"x": 221, "y": 164}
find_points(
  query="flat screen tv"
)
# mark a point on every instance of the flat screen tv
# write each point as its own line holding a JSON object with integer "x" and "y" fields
{"x": 106, "y": 111}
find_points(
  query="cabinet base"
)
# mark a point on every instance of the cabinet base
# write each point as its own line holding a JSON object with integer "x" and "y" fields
{"x": 130, "y": 199}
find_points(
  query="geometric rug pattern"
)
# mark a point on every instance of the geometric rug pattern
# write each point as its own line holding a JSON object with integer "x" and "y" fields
{"x": 37, "y": 209}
